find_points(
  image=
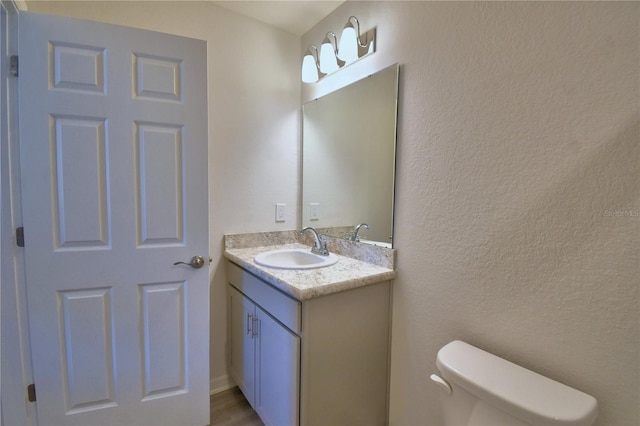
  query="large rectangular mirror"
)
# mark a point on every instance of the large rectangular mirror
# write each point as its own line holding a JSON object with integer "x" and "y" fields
{"x": 348, "y": 159}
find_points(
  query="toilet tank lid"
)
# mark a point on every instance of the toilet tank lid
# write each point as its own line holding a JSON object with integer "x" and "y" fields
{"x": 522, "y": 393}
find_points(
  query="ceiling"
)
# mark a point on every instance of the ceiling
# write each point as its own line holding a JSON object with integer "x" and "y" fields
{"x": 293, "y": 16}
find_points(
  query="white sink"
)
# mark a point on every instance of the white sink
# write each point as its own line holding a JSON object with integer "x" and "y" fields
{"x": 294, "y": 259}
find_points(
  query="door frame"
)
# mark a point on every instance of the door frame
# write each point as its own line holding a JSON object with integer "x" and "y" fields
{"x": 15, "y": 345}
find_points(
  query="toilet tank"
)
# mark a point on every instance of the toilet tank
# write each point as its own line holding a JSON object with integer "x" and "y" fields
{"x": 495, "y": 387}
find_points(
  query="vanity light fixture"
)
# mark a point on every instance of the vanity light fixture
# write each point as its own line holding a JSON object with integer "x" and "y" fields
{"x": 310, "y": 66}
{"x": 354, "y": 46}
{"x": 333, "y": 56}
{"x": 329, "y": 61}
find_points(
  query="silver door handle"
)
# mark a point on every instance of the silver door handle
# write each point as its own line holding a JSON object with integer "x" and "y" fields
{"x": 249, "y": 324}
{"x": 255, "y": 324}
{"x": 196, "y": 262}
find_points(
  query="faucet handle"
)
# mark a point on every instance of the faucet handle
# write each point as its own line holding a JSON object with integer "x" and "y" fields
{"x": 320, "y": 246}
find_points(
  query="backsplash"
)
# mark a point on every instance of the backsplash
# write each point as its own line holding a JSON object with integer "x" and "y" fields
{"x": 260, "y": 239}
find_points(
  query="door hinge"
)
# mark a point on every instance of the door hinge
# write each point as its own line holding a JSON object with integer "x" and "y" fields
{"x": 20, "y": 237}
{"x": 13, "y": 65}
{"x": 31, "y": 392}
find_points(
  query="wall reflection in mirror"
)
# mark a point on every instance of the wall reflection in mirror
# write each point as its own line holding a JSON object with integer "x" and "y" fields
{"x": 348, "y": 159}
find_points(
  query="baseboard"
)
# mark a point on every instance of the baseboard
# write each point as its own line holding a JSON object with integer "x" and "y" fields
{"x": 219, "y": 384}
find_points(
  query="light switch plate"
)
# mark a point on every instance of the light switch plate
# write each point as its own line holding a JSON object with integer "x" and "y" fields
{"x": 281, "y": 212}
{"x": 314, "y": 211}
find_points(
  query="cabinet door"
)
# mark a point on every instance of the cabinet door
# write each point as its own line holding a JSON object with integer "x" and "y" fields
{"x": 277, "y": 372}
{"x": 242, "y": 342}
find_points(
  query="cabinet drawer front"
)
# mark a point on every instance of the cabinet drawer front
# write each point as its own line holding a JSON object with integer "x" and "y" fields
{"x": 284, "y": 308}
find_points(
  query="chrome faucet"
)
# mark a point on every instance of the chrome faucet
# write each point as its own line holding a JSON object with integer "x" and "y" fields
{"x": 319, "y": 245}
{"x": 353, "y": 235}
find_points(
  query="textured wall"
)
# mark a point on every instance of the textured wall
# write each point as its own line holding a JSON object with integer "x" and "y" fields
{"x": 517, "y": 190}
{"x": 518, "y": 160}
{"x": 254, "y": 101}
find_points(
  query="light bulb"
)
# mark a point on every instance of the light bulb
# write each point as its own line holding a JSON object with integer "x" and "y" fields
{"x": 309, "y": 69}
{"x": 328, "y": 60}
{"x": 348, "y": 49}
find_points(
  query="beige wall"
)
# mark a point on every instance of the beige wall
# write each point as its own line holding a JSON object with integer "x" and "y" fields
{"x": 517, "y": 158}
{"x": 518, "y": 149}
{"x": 254, "y": 100}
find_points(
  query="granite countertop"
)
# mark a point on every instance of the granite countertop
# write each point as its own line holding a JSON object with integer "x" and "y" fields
{"x": 303, "y": 284}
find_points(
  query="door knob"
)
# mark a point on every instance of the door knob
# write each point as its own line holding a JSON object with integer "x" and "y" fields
{"x": 195, "y": 262}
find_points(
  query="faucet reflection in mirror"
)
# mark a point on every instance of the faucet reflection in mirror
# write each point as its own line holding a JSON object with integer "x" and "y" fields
{"x": 353, "y": 235}
{"x": 333, "y": 55}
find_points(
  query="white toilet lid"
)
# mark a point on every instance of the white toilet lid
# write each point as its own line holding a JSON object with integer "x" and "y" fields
{"x": 524, "y": 394}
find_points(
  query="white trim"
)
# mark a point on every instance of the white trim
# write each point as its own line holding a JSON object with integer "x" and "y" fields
{"x": 15, "y": 344}
{"x": 14, "y": 6}
{"x": 221, "y": 383}
{"x": 21, "y": 4}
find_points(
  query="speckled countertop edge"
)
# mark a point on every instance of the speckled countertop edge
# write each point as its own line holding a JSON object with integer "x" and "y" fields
{"x": 347, "y": 273}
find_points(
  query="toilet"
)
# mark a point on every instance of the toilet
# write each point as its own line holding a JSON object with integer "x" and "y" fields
{"x": 479, "y": 388}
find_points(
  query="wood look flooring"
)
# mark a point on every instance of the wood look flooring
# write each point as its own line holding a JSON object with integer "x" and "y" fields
{"x": 230, "y": 408}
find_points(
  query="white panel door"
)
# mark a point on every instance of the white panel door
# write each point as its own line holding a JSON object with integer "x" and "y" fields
{"x": 113, "y": 131}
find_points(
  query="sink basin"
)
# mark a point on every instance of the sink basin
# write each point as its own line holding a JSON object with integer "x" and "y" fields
{"x": 294, "y": 259}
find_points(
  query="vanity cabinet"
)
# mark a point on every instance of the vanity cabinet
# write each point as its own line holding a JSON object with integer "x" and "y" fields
{"x": 264, "y": 360}
{"x": 319, "y": 361}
